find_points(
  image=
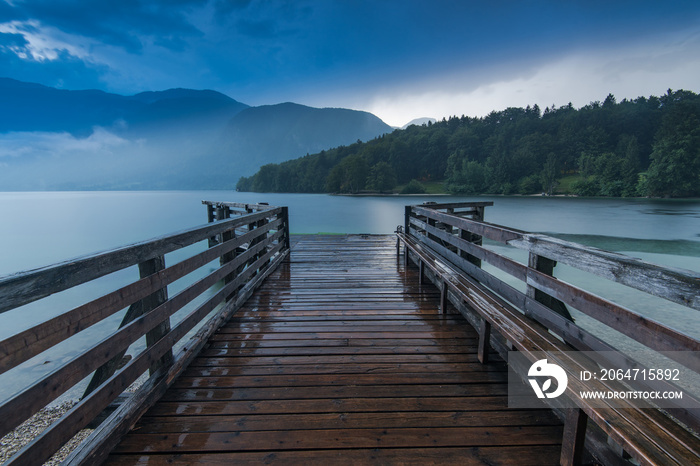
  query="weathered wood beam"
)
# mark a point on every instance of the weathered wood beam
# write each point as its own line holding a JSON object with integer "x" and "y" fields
{"x": 24, "y": 345}
{"x": 648, "y": 332}
{"x": 50, "y": 440}
{"x": 135, "y": 311}
{"x": 26, "y": 287}
{"x": 676, "y": 285}
{"x": 31, "y": 399}
{"x": 96, "y": 448}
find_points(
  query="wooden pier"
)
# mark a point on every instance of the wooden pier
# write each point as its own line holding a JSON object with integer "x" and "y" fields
{"x": 265, "y": 347}
{"x": 342, "y": 358}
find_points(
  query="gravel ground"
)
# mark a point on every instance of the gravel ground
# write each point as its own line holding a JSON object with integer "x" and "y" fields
{"x": 28, "y": 430}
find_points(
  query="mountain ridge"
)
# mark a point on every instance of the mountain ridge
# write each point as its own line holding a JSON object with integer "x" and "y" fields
{"x": 172, "y": 139}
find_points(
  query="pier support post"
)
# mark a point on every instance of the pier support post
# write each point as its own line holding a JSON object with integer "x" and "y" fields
{"x": 285, "y": 220}
{"x": 406, "y": 231}
{"x": 572, "y": 445}
{"x": 484, "y": 341}
{"x": 443, "y": 297}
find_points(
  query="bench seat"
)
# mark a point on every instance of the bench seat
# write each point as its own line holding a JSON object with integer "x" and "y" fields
{"x": 647, "y": 435}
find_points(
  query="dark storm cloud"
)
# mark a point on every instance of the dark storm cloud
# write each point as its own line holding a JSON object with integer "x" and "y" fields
{"x": 59, "y": 73}
{"x": 12, "y": 41}
{"x": 263, "y": 19}
{"x": 266, "y": 51}
{"x": 121, "y": 23}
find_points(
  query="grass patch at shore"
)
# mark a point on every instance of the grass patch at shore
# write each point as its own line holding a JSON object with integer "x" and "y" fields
{"x": 565, "y": 184}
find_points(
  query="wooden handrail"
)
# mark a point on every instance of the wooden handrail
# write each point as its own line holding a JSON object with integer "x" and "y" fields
{"x": 449, "y": 235}
{"x": 677, "y": 285}
{"x": 26, "y": 287}
{"x": 653, "y": 334}
{"x": 445, "y": 256}
{"x": 245, "y": 260}
{"x": 243, "y": 205}
{"x": 24, "y": 345}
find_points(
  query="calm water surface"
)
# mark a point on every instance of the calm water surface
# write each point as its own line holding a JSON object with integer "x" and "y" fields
{"x": 38, "y": 229}
{"x": 42, "y": 228}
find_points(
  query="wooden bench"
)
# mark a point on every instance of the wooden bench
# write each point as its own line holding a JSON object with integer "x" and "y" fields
{"x": 647, "y": 435}
{"x": 248, "y": 248}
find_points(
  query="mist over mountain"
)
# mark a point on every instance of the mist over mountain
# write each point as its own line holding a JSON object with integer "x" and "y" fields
{"x": 173, "y": 139}
{"x": 419, "y": 122}
{"x": 284, "y": 131}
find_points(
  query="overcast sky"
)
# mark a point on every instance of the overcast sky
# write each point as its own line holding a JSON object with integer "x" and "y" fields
{"x": 399, "y": 59}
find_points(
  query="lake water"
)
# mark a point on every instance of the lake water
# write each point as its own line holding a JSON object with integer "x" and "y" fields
{"x": 38, "y": 229}
{"x": 41, "y": 228}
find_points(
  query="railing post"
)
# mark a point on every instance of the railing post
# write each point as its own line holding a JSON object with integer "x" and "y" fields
{"x": 211, "y": 217}
{"x": 407, "y": 220}
{"x": 406, "y": 232}
{"x": 546, "y": 266}
{"x": 473, "y": 238}
{"x": 151, "y": 302}
{"x": 221, "y": 212}
{"x": 399, "y": 229}
{"x": 285, "y": 221}
{"x": 228, "y": 257}
{"x": 261, "y": 238}
{"x": 135, "y": 311}
{"x": 210, "y": 213}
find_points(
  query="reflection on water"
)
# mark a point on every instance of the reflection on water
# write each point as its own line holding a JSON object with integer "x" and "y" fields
{"x": 44, "y": 228}
{"x": 661, "y": 211}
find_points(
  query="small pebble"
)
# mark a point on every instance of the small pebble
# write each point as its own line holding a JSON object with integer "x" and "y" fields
{"x": 35, "y": 425}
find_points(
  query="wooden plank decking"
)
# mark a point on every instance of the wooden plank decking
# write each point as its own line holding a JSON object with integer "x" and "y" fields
{"x": 342, "y": 358}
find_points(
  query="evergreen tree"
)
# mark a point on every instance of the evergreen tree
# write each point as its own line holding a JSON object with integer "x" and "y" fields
{"x": 381, "y": 177}
{"x": 675, "y": 159}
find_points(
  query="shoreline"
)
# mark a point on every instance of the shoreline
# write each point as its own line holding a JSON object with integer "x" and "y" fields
{"x": 23, "y": 434}
{"x": 161, "y": 191}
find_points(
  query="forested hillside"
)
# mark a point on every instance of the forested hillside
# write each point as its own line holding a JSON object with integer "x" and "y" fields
{"x": 642, "y": 147}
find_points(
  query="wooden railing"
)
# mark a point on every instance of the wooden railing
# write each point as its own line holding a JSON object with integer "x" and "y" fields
{"x": 246, "y": 249}
{"x": 455, "y": 232}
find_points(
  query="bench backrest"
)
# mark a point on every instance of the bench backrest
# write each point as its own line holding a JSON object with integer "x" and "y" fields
{"x": 457, "y": 231}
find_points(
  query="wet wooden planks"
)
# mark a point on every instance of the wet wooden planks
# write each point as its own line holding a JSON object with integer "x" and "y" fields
{"x": 342, "y": 357}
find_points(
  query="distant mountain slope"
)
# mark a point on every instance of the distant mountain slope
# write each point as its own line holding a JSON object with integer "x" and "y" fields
{"x": 201, "y": 109}
{"x": 173, "y": 139}
{"x": 33, "y": 107}
{"x": 275, "y": 133}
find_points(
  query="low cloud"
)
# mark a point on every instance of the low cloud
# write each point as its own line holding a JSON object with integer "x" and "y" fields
{"x": 631, "y": 71}
{"x": 41, "y": 145}
{"x": 43, "y": 160}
